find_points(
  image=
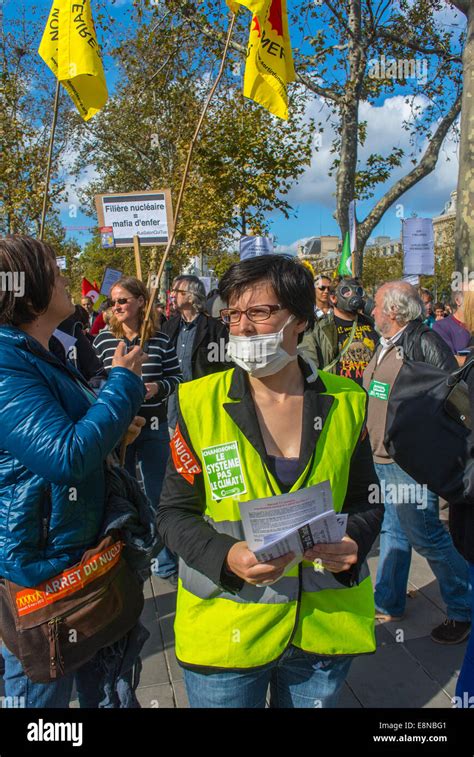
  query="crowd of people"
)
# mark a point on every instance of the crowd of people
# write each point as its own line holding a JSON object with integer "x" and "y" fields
{"x": 242, "y": 374}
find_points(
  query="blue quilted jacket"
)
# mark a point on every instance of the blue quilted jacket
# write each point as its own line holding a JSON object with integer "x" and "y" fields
{"x": 53, "y": 442}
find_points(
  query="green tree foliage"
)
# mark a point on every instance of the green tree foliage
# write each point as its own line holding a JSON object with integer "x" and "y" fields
{"x": 341, "y": 51}
{"x": 242, "y": 167}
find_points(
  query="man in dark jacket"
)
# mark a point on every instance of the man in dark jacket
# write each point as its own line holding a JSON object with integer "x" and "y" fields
{"x": 200, "y": 340}
{"x": 411, "y": 518}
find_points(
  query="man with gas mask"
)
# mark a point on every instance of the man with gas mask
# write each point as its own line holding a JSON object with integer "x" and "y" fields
{"x": 344, "y": 339}
{"x": 268, "y": 427}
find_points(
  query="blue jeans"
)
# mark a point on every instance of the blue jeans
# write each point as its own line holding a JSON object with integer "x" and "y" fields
{"x": 466, "y": 677}
{"x": 22, "y": 692}
{"x": 150, "y": 452}
{"x": 296, "y": 679}
{"x": 411, "y": 520}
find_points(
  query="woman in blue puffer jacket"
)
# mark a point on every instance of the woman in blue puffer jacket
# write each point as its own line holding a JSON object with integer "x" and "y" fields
{"x": 54, "y": 437}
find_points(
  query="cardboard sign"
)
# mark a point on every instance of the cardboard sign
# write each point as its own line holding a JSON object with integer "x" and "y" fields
{"x": 147, "y": 215}
{"x": 61, "y": 263}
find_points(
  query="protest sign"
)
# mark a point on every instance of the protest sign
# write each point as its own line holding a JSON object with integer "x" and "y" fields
{"x": 107, "y": 236}
{"x": 147, "y": 215}
{"x": 418, "y": 246}
{"x": 252, "y": 246}
{"x": 111, "y": 275}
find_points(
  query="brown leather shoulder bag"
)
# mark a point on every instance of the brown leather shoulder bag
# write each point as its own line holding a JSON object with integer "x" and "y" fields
{"x": 55, "y": 628}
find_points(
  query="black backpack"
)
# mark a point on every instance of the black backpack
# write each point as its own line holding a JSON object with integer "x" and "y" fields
{"x": 428, "y": 428}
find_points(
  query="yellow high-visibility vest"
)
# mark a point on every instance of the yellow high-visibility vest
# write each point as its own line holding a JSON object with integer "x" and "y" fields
{"x": 305, "y": 607}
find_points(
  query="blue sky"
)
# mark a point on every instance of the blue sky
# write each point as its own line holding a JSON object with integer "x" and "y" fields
{"x": 313, "y": 196}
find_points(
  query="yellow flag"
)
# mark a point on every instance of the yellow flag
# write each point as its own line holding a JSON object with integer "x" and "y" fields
{"x": 256, "y": 6}
{"x": 69, "y": 47}
{"x": 269, "y": 59}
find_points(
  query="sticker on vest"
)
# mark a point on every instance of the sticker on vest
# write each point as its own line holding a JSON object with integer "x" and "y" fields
{"x": 224, "y": 470}
{"x": 184, "y": 461}
{"x": 379, "y": 389}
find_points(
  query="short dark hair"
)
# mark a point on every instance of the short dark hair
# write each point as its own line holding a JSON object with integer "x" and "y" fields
{"x": 35, "y": 262}
{"x": 291, "y": 281}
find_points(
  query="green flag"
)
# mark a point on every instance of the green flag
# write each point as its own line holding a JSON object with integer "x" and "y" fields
{"x": 345, "y": 264}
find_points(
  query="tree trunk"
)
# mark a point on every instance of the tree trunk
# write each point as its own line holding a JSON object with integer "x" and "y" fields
{"x": 349, "y": 114}
{"x": 465, "y": 196}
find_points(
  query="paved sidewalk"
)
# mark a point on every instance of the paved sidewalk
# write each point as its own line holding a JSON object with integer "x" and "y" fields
{"x": 408, "y": 669}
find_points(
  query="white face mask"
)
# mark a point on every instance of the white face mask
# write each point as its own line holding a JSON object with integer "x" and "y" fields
{"x": 261, "y": 355}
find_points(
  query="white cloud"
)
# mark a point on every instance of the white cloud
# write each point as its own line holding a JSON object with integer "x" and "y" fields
{"x": 384, "y": 132}
{"x": 74, "y": 184}
{"x": 290, "y": 249}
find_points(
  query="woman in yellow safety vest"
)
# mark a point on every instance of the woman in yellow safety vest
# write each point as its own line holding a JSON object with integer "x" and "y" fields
{"x": 273, "y": 425}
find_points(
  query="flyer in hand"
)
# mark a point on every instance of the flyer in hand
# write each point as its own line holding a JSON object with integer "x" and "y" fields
{"x": 292, "y": 522}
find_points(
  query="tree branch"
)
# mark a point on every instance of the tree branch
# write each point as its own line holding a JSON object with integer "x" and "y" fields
{"x": 424, "y": 167}
{"x": 412, "y": 44}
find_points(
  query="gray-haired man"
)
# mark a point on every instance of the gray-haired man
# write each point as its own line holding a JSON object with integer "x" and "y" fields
{"x": 411, "y": 518}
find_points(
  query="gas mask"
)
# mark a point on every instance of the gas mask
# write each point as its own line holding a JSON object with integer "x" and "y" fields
{"x": 350, "y": 296}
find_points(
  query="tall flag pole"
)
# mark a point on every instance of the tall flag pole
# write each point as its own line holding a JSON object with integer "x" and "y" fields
{"x": 269, "y": 65}
{"x": 48, "y": 164}
{"x": 353, "y": 232}
{"x": 185, "y": 178}
{"x": 69, "y": 48}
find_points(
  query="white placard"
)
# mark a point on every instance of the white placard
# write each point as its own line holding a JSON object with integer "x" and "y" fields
{"x": 418, "y": 247}
{"x": 147, "y": 215}
{"x": 61, "y": 263}
{"x": 252, "y": 246}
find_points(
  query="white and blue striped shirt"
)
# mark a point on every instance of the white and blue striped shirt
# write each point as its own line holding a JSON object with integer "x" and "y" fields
{"x": 162, "y": 367}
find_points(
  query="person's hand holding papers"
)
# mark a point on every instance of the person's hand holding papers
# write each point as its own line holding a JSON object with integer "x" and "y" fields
{"x": 334, "y": 557}
{"x": 242, "y": 562}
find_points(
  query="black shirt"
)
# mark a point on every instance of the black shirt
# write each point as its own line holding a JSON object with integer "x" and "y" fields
{"x": 354, "y": 362}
